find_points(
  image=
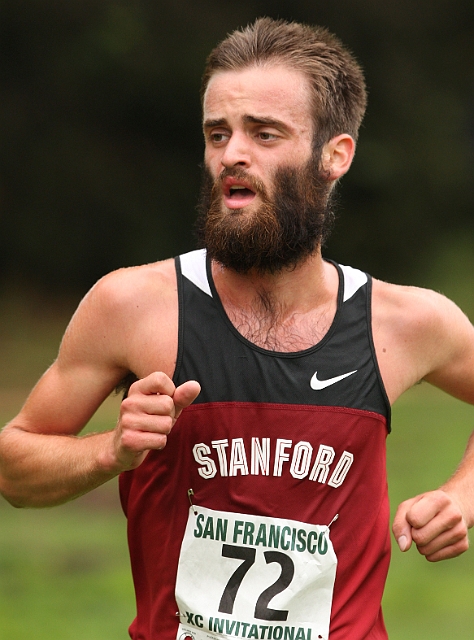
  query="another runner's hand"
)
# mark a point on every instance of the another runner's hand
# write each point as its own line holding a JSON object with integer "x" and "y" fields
{"x": 147, "y": 416}
{"x": 435, "y": 523}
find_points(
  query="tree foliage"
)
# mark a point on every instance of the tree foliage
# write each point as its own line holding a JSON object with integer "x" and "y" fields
{"x": 101, "y": 142}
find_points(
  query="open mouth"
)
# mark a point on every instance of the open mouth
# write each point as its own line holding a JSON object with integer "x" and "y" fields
{"x": 239, "y": 191}
{"x": 237, "y": 195}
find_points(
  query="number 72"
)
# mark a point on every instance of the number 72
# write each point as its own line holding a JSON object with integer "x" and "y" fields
{"x": 247, "y": 555}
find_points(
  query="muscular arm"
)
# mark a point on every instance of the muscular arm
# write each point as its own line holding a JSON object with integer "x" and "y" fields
{"x": 421, "y": 335}
{"x": 43, "y": 460}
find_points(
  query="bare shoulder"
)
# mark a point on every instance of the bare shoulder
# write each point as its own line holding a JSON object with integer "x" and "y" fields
{"x": 127, "y": 323}
{"x": 124, "y": 313}
{"x": 421, "y": 334}
{"x": 412, "y": 305}
{"x": 132, "y": 286}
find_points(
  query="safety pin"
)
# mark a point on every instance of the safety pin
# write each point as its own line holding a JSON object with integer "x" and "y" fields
{"x": 333, "y": 520}
{"x": 190, "y": 498}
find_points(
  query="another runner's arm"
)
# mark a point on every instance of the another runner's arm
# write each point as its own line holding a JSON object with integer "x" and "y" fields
{"x": 441, "y": 340}
{"x": 42, "y": 460}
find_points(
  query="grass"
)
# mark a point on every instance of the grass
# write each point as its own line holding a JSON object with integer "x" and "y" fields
{"x": 64, "y": 572}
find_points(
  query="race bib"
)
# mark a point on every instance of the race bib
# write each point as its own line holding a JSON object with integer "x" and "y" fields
{"x": 243, "y": 576}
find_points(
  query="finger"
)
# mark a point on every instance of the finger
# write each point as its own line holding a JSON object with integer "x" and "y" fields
{"x": 455, "y": 535}
{"x": 427, "y": 507}
{"x": 139, "y": 404}
{"x": 135, "y": 419}
{"x": 401, "y": 527}
{"x": 184, "y": 395}
{"x": 138, "y": 441}
{"x": 156, "y": 382}
{"x": 448, "y": 522}
{"x": 156, "y": 413}
{"x": 450, "y": 551}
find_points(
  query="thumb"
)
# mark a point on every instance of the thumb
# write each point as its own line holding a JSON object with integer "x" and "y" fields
{"x": 401, "y": 528}
{"x": 184, "y": 395}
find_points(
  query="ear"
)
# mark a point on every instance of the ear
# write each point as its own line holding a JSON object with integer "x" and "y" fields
{"x": 337, "y": 155}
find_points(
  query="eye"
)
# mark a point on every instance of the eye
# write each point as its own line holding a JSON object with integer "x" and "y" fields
{"x": 266, "y": 136}
{"x": 218, "y": 137}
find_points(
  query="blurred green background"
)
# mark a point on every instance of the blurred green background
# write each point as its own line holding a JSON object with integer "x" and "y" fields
{"x": 100, "y": 147}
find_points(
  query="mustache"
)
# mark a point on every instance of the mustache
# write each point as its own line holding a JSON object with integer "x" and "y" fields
{"x": 285, "y": 227}
{"x": 238, "y": 173}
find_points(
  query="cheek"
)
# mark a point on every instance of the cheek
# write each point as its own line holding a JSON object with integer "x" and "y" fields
{"x": 212, "y": 162}
{"x": 301, "y": 154}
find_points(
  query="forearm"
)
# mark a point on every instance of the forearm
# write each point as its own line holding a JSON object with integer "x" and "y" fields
{"x": 45, "y": 469}
{"x": 461, "y": 484}
{"x": 39, "y": 470}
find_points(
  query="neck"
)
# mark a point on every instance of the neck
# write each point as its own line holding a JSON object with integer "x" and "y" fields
{"x": 287, "y": 311}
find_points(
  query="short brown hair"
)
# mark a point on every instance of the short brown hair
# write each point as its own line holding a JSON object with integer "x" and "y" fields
{"x": 336, "y": 79}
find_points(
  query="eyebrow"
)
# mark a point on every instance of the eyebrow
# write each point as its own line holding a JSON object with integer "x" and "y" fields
{"x": 264, "y": 120}
{"x": 218, "y": 122}
{"x": 248, "y": 119}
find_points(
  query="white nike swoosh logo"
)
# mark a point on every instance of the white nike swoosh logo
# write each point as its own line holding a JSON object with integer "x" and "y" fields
{"x": 318, "y": 385}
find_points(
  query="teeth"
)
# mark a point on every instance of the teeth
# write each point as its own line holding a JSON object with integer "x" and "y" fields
{"x": 237, "y": 186}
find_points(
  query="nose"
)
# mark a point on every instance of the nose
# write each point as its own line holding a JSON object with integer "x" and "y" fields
{"x": 237, "y": 151}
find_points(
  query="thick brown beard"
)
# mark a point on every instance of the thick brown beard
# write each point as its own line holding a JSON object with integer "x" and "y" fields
{"x": 280, "y": 233}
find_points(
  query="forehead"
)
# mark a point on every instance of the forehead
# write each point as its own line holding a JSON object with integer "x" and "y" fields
{"x": 270, "y": 91}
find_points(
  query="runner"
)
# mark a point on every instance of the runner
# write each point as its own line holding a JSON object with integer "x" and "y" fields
{"x": 259, "y": 378}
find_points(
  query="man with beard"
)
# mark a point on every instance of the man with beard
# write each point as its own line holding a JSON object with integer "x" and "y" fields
{"x": 251, "y": 443}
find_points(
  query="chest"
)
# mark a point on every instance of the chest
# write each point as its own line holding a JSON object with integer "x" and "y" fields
{"x": 338, "y": 370}
{"x": 271, "y": 329}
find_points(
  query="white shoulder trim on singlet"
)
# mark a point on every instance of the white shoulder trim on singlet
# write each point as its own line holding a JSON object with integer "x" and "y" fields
{"x": 353, "y": 281}
{"x": 193, "y": 267}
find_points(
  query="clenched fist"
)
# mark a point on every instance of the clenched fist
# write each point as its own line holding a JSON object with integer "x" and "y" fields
{"x": 435, "y": 523}
{"x": 147, "y": 416}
